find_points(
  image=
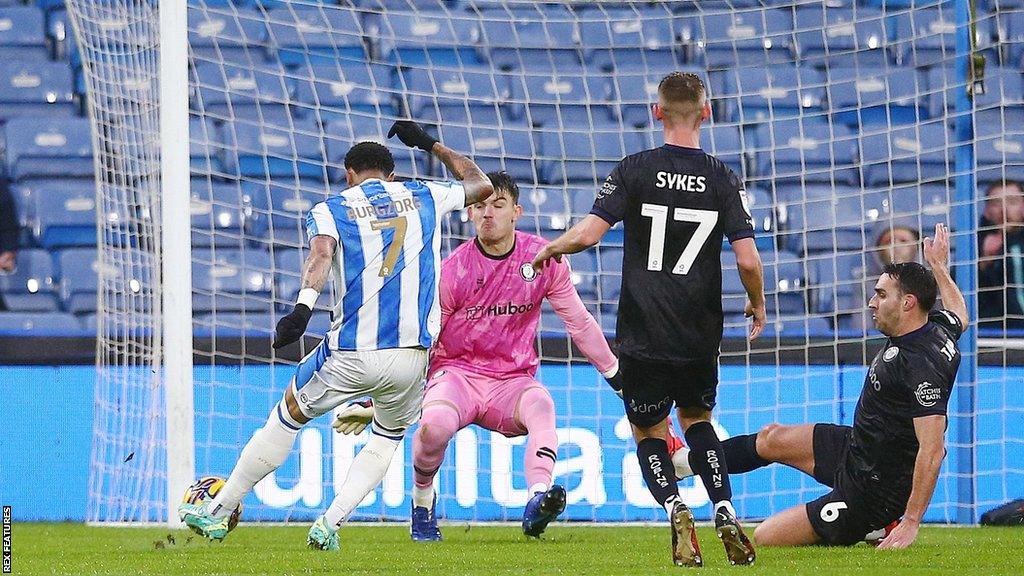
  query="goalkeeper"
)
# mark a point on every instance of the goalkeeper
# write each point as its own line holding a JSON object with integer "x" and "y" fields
{"x": 885, "y": 465}
{"x": 483, "y": 366}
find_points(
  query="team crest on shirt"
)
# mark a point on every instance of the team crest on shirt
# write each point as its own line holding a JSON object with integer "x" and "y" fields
{"x": 927, "y": 394}
{"x": 890, "y": 354}
{"x": 527, "y": 272}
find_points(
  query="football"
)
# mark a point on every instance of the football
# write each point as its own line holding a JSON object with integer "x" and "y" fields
{"x": 204, "y": 489}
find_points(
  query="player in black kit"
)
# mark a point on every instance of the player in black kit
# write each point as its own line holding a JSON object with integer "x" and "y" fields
{"x": 885, "y": 465}
{"x": 676, "y": 204}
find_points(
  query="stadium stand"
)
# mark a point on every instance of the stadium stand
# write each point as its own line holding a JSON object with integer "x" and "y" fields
{"x": 815, "y": 187}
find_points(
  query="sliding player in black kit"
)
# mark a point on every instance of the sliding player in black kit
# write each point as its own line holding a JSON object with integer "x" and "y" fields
{"x": 676, "y": 204}
{"x": 885, "y": 465}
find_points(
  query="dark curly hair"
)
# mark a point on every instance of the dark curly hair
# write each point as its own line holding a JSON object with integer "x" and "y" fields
{"x": 370, "y": 156}
{"x": 504, "y": 184}
{"x": 915, "y": 279}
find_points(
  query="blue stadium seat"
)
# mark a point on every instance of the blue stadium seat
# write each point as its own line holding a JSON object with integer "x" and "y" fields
{"x": 48, "y": 147}
{"x": 581, "y": 201}
{"x": 231, "y": 281}
{"x": 922, "y": 205}
{"x": 728, "y": 39}
{"x": 303, "y": 35}
{"x": 865, "y": 96}
{"x": 58, "y": 29}
{"x": 206, "y": 149}
{"x": 32, "y": 286}
{"x": 35, "y": 88}
{"x": 457, "y": 96}
{"x": 926, "y": 36}
{"x": 287, "y": 276}
{"x": 342, "y": 134}
{"x": 843, "y": 36}
{"x": 327, "y": 92}
{"x": 806, "y": 151}
{"x": 567, "y": 100}
{"x": 906, "y": 154}
{"x": 762, "y": 213}
{"x": 33, "y": 324}
{"x": 726, "y": 143}
{"x": 226, "y": 33}
{"x": 785, "y": 283}
{"x": 227, "y": 91}
{"x": 773, "y": 92}
{"x": 1011, "y": 33}
{"x": 441, "y": 39}
{"x": 821, "y": 218}
{"x": 256, "y": 150}
{"x": 1000, "y": 105}
{"x": 838, "y": 286}
{"x": 79, "y": 279}
{"x": 22, "y": 33}
{"x": 585, "y": 274}
{"x": 279, "y": 210}
{"x": 253, "y": 326}
{"x": 999, "y": 151}
{"x": 218, "y": 214}
{"x": 511, "y": 148}
{"x": 544, "y": 209}
{"x": 408, "y": 5}
{"x": 609, "y": 265}
{"x": 582, "y": 156}
{"x": 636, "y": 39}
{"x": 530, "y": 40}
{"x": 64, "y": 213}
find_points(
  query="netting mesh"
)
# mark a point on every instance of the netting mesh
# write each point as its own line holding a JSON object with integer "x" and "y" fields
{"x": 839, "y": 116}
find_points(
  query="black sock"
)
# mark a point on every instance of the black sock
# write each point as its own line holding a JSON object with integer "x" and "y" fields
{"x": 741, "y": 454}
{"x": 708, "y": 460}
{"x": 656, "y": 466}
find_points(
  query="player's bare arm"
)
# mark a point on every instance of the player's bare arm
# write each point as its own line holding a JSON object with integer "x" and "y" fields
{"x": 477, "y": 184}
{"x": 583, "y": 235}
{"x": 936, "y": 253}
{"x": 751, "y": 271}
{"x": 314, "y": 276}
{"x": 931, "y": 436}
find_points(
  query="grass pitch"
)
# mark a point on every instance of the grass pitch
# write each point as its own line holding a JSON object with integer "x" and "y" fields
{"x": 565, "y": 549}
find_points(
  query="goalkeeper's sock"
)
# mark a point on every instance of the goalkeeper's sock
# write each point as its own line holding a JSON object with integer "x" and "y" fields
{"x": 741, "y": 454}
{"x": 423, "y": 497}
{"x": 707, "y": 458}
{"x": 365, "y": 473}
{"x": 437, "y": 426}
{"x": 537, "y": 413}
{"x": 656, "y": 467}
{"x": 265, "y": 452}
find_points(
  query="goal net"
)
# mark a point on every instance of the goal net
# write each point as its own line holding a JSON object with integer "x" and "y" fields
{"x": 852, "y": 124}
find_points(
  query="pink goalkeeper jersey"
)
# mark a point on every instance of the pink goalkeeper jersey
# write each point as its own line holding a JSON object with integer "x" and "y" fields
{"x": 490, "y": 310}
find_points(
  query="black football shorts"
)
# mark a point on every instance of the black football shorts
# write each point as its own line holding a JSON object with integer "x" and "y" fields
{"x": 848, "y": 512}
{"x": 650, "y": 389}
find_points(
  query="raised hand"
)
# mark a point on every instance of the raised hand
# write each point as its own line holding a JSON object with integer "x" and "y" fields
{"x": 936, "y": 250}
{"x": 412, "y": 135}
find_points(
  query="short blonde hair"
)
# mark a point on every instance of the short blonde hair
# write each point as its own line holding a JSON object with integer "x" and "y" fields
{"x": 681, "y": 96}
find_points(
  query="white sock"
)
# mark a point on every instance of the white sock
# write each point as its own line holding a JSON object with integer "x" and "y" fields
{"x": 681, "y": 462}
{"x": 670, "y": 504}
{"x": 423, "y": 497}
{"x": 538, "y": 487}
{"x": 266, "y": 451}
{"x": 727, "y": 505}
{"x": 365, "y": 474}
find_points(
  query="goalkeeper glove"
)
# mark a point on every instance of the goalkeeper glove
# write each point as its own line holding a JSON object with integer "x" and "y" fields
{"x": 291, "y": 327}
{"x": 615, "y": 381}
{"x": 354, "y": 418}
{"x": 412, "y": 135}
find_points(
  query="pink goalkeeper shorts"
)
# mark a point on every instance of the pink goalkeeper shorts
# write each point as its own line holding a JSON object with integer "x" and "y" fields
{"x": 491, "y": 403}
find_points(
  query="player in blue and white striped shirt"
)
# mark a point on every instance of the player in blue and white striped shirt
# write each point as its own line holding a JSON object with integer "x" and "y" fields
{"x": 381, "y": 240}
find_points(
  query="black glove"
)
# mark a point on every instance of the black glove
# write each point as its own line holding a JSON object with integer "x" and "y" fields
{"x": 616, "y": 382}
{"x": 412, "y": 135}
{"x": 292, "y": 327}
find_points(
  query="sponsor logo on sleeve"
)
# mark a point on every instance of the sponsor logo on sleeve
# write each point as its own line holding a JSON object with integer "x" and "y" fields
{"x": 927, "y": 394}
